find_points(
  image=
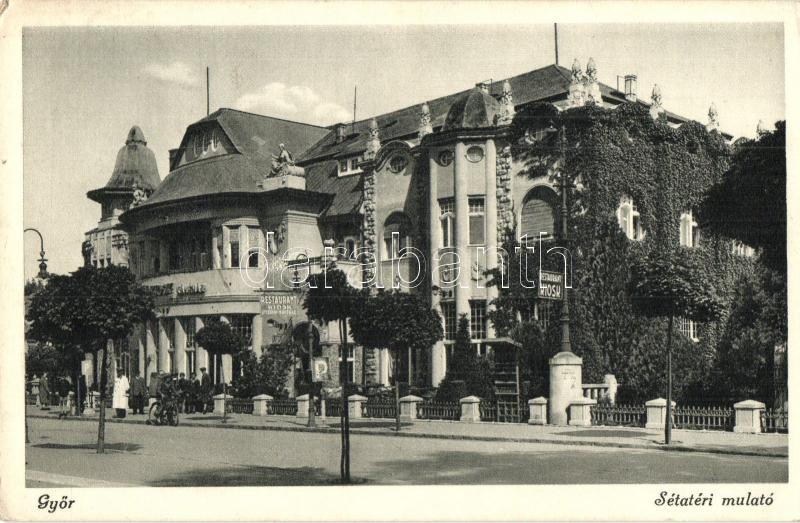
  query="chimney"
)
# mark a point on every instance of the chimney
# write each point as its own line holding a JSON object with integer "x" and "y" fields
{"x": 630, "y": 87}
{"x": 340, "y": 132}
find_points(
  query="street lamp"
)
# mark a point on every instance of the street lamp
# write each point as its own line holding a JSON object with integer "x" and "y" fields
{"x": 42, "y": 260}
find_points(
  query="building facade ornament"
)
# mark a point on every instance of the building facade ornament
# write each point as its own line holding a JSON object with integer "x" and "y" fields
{"x": 425, "y": 126}
{"x": 283, "y": 164}
{"x": 373, "y": 141}
{"x": 507, "y": 102}
{"x": 577, "y": 88}
{"x": 139, "y": 195}
{"x": 656, "y": 109}
{"x": 592, "y": 92}
{"x": 713, "y": 118}
{"x": 504, "y": 194}
{"x": 761, "y": 129}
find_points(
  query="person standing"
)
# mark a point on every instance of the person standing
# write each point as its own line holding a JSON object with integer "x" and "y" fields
{"x": 120, "y": 402}
{"x": 62, "y": 388}
{"x": 205, "y": 389}
{"x": 82, "y": 392}
{"x": 44, "y": 392}
{"x": 138, "y": 391}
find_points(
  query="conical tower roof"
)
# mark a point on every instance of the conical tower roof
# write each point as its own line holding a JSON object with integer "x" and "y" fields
{"x": 136, "y": 164}
{"x": 475, "y": 109}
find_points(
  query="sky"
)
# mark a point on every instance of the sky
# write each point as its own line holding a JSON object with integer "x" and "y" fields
{"x": 83, "y": 88}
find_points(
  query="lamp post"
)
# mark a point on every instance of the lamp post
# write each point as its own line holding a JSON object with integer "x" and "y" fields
{"x": 42, "y": 260}
{"x": 564, "y": 186}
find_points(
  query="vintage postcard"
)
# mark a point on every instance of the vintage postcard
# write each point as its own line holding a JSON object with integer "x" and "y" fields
{"x": 349, "y": 261}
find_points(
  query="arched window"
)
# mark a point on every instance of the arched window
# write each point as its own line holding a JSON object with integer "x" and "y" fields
{"x": 396, "y": 235}
{"x": 629, "y": 220}
{"x": 538, "y": 214}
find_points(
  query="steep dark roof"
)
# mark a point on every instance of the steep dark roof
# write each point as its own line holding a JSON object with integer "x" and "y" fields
{"x": 347, "y": 190}
{"x": 473, "y": 110}
{"x": 254, "y": 137}
{"x": 135, "y": 163}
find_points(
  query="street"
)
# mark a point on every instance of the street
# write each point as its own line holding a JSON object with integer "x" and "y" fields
{"x": 62, "y": 453}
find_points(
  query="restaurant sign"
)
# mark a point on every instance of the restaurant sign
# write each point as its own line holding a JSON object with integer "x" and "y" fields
{"x": 551, "y": 285}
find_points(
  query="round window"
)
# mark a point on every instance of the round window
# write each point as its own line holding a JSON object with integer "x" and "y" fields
{"x": 474, "y": 154}
{"x": 397, "y": 163}
{"x": 445, "y": 158}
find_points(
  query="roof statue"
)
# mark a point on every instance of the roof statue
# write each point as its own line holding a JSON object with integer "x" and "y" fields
{"x": 593, "y": 95}
{"x": 283, "y": 164}
{"x": 425, "y": 120}
{"x": 761, "y": 129}
{"x": 139, "y": 195}
{"x": 655, "y": 107}
{"x": 577, "y": 87}
{"x": 713, "y": 118}
{"x": 507, "y": 101}
{"x": 373, "y": 142}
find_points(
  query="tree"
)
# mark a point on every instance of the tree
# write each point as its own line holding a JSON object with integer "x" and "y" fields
{"x": 266, "y": 375}
{"x": 395, "y": 320}
{"x": 668, "y": 285}
{"x": 81, "y": 312}
{"x": 331, "y": 298}
{"x": 218, "y": 338}
{"x": 749, "y": 204}
{"x": 467, "y": 375}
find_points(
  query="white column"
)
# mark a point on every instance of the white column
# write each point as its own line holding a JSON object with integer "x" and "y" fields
{"x": 140, "y": 349}
{"x": 200, "y": 353}
{"x": 163, "y": 346}
{"x": 151, "y": 350}
{"x": 215, "y": 257}
{"x": 257, "y": 335}
{"x": 383, "y": 366}
{"x": 462, "y": 230}
{"x": 180, "y": 346}
{"x": 226, "y": 248}
{"x": 227, "y": 359}
{"x": 438, "y": 365}
{"x": 490, "y": 218}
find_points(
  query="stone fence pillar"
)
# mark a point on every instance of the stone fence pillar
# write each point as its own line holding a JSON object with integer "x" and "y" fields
{"x": 354, "y": 403}
{"x": 656, "y": 413}
{"x": 219, "y": 403}
{"x": 470, "y": 409}
{"x": 748, "y": 416}
{"x": 611, "y": 381}
{"x": 580, "y": 412}
{"x": 538, "y": 411}
{"x": 302, "y": 406}
{"x": 408, "y": 407}
{"x": 260, "y": 404}
{"x": 95, "y": 400}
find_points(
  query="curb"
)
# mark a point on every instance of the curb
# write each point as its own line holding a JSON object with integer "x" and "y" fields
{"x": 461, "y": 437}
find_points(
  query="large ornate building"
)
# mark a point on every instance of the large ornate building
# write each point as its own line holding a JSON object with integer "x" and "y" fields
{"x": 238, "y": 210}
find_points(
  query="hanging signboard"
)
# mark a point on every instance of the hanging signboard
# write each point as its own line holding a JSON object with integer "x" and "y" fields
{"x": 319, "y": 369}
{"x": 551, "y": 285}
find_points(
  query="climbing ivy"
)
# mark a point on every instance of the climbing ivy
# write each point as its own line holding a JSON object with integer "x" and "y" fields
{"x": 609, "y": 154}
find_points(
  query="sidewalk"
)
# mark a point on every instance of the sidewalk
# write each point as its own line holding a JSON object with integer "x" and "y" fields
{"x": 773, "y": 445}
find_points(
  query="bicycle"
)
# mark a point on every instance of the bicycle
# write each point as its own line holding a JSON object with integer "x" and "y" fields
{"x": 164, "y": 411}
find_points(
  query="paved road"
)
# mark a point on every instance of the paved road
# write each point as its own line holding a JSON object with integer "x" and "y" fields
{"x": 62, "y": 452}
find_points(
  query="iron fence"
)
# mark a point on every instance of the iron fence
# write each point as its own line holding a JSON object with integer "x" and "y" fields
{"x": 379, "y": 409}
{"x": 238, "y": 406}
{"x": 775, "y": 420}
{"x": 621, "y": 415}
{"x": 446, "y": 410}
{"x": 504, "y": 411}
{"x": 333, "y": 407}
{"x": 287, "y": 407}
{"x": 704, "y": 418}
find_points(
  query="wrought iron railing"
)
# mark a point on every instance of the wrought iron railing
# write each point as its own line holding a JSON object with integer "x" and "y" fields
{"x": 775, "y": 420}
{"x": 705, "y": 418}
{"x": 239, "y": 406}
{"x": 625, "y": 415}
{"x": 286, "y": 407}
{"x": 379, "y": 409}
{"x": 445, "y": 410}
{"x": 333, "y": 407}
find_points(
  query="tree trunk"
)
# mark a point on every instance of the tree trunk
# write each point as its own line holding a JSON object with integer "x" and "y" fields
{"x": 101, "y": 429}
{"x": 310, "y": 337}
{"x": 668, "y": 420}
{"x": 345, "y": 414}
{"x": 396, "y": 391}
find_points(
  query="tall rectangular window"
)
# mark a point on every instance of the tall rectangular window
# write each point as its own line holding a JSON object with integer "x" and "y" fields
{"x": 446, "y": 218}
{"x": 476, "y": 221}
{"x": 688, "y": 328}
{"x": 242, "y": 324}
{"x": 689, "y": 231}
{"x": 349, "y": 366}
{"x": 449, "y": 315}
{"x": 234, "y": 247}
{"x": 477, "y": 319}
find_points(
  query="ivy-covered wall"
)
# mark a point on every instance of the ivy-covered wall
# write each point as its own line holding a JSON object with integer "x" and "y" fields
{"x": 609, "y": 154}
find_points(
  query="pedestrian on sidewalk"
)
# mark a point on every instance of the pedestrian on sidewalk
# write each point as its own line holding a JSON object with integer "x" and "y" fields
{"x": 44, "y": 392}
{"x": 192, "y": 387}
{"x": 138, "y": 391}
{"x": 82, "y": 392}
{"x": 205, "y": 390}
{"x": 183, "y": 392}
{"x": 120, "y": 401}
{"x": 63, "y": 386}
